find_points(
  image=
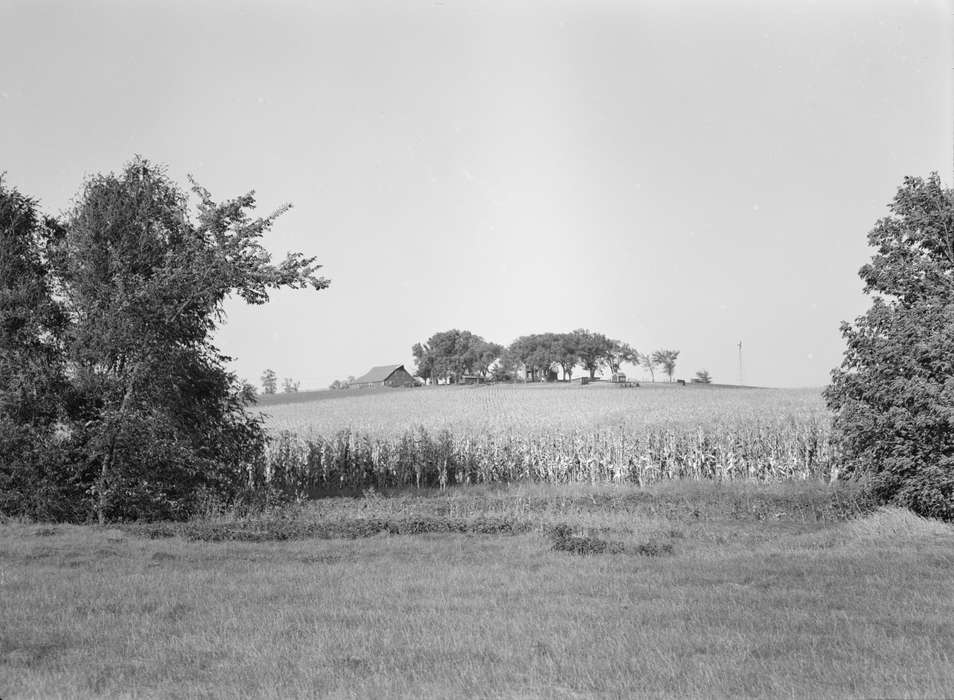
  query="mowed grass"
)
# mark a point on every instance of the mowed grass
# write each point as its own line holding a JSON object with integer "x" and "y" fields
{"x": 768, "y": 590}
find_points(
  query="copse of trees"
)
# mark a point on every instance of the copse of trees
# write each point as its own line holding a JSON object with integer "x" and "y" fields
{"x": 448, "y": 355}
{"x": 893, "y": 396}
{"x": 342, "y": 383}
{"x": 114, "y": 403}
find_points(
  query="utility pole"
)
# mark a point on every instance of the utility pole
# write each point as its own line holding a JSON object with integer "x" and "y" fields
{"x": 741, "y": 382}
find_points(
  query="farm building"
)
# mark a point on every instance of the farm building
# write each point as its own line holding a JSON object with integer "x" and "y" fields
{"x": 386, "y": 375}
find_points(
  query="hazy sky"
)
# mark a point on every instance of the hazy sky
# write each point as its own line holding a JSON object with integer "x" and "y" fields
{"x": 673, "y": 174}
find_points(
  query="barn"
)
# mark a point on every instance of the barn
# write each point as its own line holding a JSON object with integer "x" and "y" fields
{"x": 386, "y": 375}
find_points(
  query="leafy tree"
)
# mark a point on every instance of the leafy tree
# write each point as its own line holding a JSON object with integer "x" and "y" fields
{"x": 37, "y": 476}
{"x": 423, "y": 360}
{"x": 566, "y": 352}
{"x": 448, "y": 355}
{"x": 144, "y": 287}
{"x": 893, "y": 396}
{"x": 593, "y": 350}
{"x": 667, "y": 360}
{"x": 290, "y": 386}
{"x": 648, "y": 362}
{"x": 482, "y": 355}
{"x": 620, "y": 353}
{"x": 537, "y": 353}
{"x": 504, "y": 369}
{"x": 703, "y": 377}
{"x": 269, "y": 381}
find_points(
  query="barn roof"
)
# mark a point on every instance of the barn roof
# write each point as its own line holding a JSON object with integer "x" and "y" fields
{"x": 377, "y": 374}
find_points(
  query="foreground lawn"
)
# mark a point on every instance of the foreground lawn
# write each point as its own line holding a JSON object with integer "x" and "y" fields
{"x": 745, "y": 591}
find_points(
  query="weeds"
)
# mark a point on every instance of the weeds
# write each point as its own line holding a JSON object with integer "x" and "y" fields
{"x": 564, "y": 539}
{"x": 273, "y": 530}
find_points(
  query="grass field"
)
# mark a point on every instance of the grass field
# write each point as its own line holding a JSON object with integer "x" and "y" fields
{"x": 711, "y": 590}
{"x": 661, "y": 541}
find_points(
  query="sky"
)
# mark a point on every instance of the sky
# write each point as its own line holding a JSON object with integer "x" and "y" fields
{"x": 680, "y": 175}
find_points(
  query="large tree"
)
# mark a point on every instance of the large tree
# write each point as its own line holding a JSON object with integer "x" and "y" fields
{"x": 537, "y": 353}
{"x": 424, "y": 360}
{"x": 447, "y": 355}
{"x": 144, "y": 287}
{"x": 566, "y": 352}
{"x": 593, "y": 350}
{"x": 648, "y": 362}
{"x": 667, "y": 360}
{"x": 34, "y": 395}
{"x": 620, "y": 353}
{"x": 893, "y": 396}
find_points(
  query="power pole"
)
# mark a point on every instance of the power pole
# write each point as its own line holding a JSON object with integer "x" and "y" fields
{"x": 741, "y": 382}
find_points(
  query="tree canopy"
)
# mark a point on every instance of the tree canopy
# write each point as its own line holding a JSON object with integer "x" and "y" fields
{"x": 893, "y": 396}
{"x": 154, "y": 415}
{"x": 449, "y": 355}
{"x": 667, "y": 360}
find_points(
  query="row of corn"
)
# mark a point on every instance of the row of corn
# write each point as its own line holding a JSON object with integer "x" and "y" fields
{"x": 351, "y": 460}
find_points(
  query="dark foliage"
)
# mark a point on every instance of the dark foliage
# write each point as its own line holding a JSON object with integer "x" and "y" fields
{"x": 262, "y": 530}
{"x": 564, "y": 539}
{"x": 893, "y": 396}
{"x": 39, "y": 474}
{"x": 114, "y": 403}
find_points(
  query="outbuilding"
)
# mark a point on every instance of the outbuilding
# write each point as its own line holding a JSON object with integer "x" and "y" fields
{"x": 385, "y": 375}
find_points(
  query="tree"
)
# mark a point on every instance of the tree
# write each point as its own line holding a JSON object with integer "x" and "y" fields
{"x": 620, "y": 353}
{"x": 269, "y": 381}
{"x": 36, "y": 472}
{"x": 290, "y": 386}
{"x": 448, "y": 355}
{"x": 537, "y": 353}
{"x": 667, "y": 360}
{"x": 593, "y": 350}
{"x": 893, "y": 396}
{"x": 423, "y": 360}
{"x": 648, "y": 361}
{"x": 482, "y": 355}
{"x": 703, "y": 377}
{"x": 566, "y": 352}
{"x": 144, "y": 288}
{"x": 505, "y": 368}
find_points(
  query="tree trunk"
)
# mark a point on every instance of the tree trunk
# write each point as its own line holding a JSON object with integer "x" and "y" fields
{"x": 108, "y": 457}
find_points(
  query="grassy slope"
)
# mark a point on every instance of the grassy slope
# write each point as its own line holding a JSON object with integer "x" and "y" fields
{"x": 766, "y": 593}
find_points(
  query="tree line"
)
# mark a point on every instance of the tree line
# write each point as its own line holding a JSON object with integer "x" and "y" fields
{"x": 269, "y": 380}
{"x": 114, "y": 402}
{"x": 449, "y": 356}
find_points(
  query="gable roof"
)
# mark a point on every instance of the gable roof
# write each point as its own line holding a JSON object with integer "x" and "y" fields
{"x": 377, "y": 374}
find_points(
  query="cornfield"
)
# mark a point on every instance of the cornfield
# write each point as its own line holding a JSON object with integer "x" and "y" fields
{"x": 479, "y": 435}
